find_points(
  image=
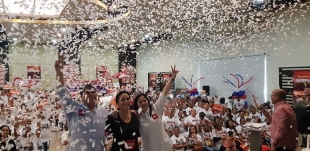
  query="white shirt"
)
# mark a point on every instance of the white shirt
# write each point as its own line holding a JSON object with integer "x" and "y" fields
{"x": 228, "y": 103}
{"x": 208, "y": 113}
{"x": 188, "y": 110}
{"x": 178, "y": 140}
{"x": 256, "y": 115}
{"x": 170, "y": 123}
{"x": 239, "y": 104}
{"x": 192, "y": 120}
{"x": 153, "y": 134}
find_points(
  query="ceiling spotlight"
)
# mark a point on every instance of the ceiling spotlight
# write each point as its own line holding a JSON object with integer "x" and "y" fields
{"x": 90, "y": 43}
{"x": 147, "y": 36}
{"x": 15, "y": 39}
{"x": 59, "y": 34}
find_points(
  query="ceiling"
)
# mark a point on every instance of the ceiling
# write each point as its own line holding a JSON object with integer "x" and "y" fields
{"x": 183, "y": 18}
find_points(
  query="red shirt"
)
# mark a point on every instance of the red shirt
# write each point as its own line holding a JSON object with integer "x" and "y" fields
{"x": 284, "y": 126}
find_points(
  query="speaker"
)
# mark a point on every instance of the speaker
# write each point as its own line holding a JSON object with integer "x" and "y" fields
{"x": 207, "y": 89}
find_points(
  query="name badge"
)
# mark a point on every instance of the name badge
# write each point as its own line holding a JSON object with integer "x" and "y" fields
{"x": 81, "y": 113}
{"x": 130, "y": 145}
{"x": 154, "y": 116}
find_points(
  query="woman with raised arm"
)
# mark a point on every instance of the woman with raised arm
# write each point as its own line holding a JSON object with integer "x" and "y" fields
{"x": 153, "y": 135}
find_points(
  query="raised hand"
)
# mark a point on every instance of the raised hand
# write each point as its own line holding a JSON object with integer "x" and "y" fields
{"x": 174, "y": 72}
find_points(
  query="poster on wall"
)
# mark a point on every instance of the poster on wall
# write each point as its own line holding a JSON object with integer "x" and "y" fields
{"x": 72, "y": 77}
{"x": 2, "y": 75}
{"x": 165, "y": 77}
{"x": 127, "y": 67}
{"x": 301, "y": 82}
{"x": 34, "y": 72}
{"x": 101, "y": 73}
{"x": 153, "y": 80}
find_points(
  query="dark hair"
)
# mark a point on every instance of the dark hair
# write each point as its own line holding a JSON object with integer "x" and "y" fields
{"x": 1, "y": 127}
{"x": 135, "y": 104}
{"x": 118, "y": 95}
{"x": 88, "y": 86}
{"x": 222, "y": 100}
{"x": 234, "y": 128}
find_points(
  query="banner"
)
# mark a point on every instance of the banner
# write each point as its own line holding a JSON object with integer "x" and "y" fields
{"x": 4, "y": 66}
{"x": 153, "y": 80}
{"x": 127, "y": 66}
{"x": 34, "y": 72}
{"x": 165, "y": 77}
{"x": 20, "y": 82}
{"x": 301, "y": 82}
{"x": 101, "y": 72}
{"x": 72, "y": 77}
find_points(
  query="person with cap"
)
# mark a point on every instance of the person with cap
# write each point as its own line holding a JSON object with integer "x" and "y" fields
{"x": 86, "y": 119}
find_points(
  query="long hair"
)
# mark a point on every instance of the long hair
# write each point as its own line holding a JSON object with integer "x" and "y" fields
{"x": 135, "y": 104}
{"x": 234, "y": 128}
{"x": 1, "y": 127}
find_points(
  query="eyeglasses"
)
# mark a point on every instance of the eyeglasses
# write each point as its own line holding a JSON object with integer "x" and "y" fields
{"x": 272, "y": 95}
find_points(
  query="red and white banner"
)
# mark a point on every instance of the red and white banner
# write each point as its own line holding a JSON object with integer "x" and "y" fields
{"x": 34, "y": 72}
{"x": 20, "y": 82}
{"x": 72, "y": 77}
{"x": 301, "y": 81}
{"x": 2, "y": 74}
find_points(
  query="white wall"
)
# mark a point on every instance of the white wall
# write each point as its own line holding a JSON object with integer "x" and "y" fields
{"x": 287, "y": 44}
{"x": 22, "y": 55}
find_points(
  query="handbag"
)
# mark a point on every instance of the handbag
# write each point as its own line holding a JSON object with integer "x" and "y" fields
{"x": 208, "y": 143}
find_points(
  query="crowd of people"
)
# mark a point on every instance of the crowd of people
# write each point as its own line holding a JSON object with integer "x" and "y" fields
{"x": 151, "y": 121}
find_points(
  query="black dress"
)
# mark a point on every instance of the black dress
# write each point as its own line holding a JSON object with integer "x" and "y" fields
{"x": 124, "y": 132}
{"x": 5, "y": 146}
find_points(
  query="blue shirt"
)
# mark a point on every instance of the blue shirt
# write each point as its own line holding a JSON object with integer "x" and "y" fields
{"x": 86, "y": 129}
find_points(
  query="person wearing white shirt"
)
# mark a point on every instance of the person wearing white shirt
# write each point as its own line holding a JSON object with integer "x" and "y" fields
{"x": 170, "y": 123}
{"x": 194, "y": 139}
{"x": 241, "y": 116}
{"x": 191, "y": 120}
{"x": 179, "y": 142}
{"x": 207, "y": 110}
{"x": 153, "y": 135}
{"x": 239, "y": 103}
{"x": 190, "y": 107}
{"x": 86, "y": 120}
{"x": 254, "y": 114}
{"x": 207, "y": 137}
{"x": 218, "y": 133}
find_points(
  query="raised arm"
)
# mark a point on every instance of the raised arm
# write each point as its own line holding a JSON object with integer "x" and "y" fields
{"x": 62, "y": 92}
{"x": 159, "y": 105}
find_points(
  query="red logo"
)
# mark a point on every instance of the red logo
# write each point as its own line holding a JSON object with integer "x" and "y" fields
{"x": 154, "y": 116}
{"x": 81, "y": 113}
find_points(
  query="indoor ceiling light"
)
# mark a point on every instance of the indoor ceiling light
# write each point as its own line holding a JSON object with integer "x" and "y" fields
{"x": 59, "y": 34}
{"x": 147, "y": 36}
{"x": 90, "y": 43}
{"x": 15, "y": 39}
{"x": 44, "y": 8}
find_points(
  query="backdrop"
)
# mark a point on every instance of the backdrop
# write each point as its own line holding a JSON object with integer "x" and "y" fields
{"x": 224, "y": 76}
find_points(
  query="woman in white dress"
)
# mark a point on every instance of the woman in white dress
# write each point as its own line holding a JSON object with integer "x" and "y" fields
{"x": 153, "y": 135}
